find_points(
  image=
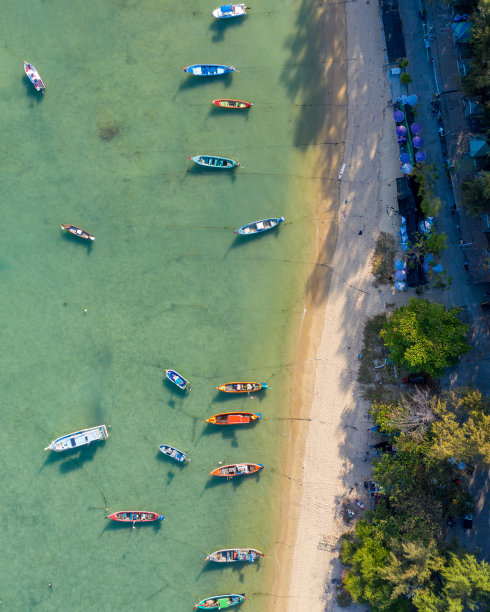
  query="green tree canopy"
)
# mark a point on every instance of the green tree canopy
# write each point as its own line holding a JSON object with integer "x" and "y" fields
{"x": 476, "y": 194}
{"x": 424, "y": 336}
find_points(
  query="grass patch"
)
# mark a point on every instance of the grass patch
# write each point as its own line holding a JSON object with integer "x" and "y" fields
{"x": 383, "y": 262}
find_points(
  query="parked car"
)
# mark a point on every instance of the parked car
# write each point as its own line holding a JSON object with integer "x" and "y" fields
{"x": 416, "y": 379}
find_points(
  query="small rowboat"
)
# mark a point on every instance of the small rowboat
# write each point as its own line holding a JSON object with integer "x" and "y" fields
{"x": 220, "y": 602}
{"x": 173, "y": 453}
{"x": 242, "y": 387}
{"x": 33, "y": 76}
{"x": 258, "y": 227}
{"x": 211, "y": 161}
{"x": 139, "y": 516}
{"x": 234, "y": 418}
{"x": 209, "y": 69}
{"x": 178, "y": 380}
{"x": 237, "y": 469}
{"x": 228, "y": 11}
{"x": 235, "y": 555}
{"x": 79, "y": 438}
{"x": 77, "y": 231}
{"x": 227, "y": 103}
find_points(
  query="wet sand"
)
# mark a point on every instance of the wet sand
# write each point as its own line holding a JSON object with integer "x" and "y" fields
{"x": 327, "y": 457}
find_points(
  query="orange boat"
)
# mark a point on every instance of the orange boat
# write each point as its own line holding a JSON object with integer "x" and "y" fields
{"x": 227, "y": 103}
{"x": 233, "y": 418}
{"x": 241, "y": 387}
{"x": 237, "y": 469}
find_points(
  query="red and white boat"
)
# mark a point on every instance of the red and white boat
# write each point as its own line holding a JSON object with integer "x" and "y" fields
{"x": 33, "y": 76}
{"x": 138, "y": 516}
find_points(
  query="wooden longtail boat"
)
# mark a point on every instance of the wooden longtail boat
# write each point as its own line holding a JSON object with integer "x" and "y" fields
{"x": 178, "y": 380}
{"x": 79, "y": 438}
{"x": 33, "y": 76}
{"x": 237, "y": 469}
{"x": 220, "y": 602}
{"x": 173, "y": 453}
{"x": 209, "y": 69}
{"x": 138, "y": 516}
{"x": 241, "y": 387}
{"x": 257, "y": 227}
{"x": 235, "y": 555}
{"x": 228, "y": 103}
{"x": 233, "y": 418}
{"x": 77, "y": 231}
{"x": 211, "y": 161}
{"x": 227, "y": 11}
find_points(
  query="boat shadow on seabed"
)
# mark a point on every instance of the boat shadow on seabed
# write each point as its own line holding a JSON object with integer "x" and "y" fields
{"x": 72, "y": 460}
{"x": 31, "y": 91}
{"x": 85, "y": 244}
{"x": 218, "y": 27}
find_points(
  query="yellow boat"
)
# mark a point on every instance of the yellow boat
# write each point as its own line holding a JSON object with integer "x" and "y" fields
{"x": 242, "y": 387}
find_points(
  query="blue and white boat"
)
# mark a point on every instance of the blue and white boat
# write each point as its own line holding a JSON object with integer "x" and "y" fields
{"x": 209, "y": 69}
{"x": 257, "y": 227}
{"x": 173, "y": 453}
{"x": 79, "y": 438}
{"x": 212, "y": 161}
{"x": 178, "y": 380}
{"x": 228, "y": 11}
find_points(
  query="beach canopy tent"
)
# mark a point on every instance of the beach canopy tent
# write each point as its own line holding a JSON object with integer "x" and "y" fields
{"x": 478, "y": 147}
{"x": 392, "y": 25}
{"x": 461, "y": 32}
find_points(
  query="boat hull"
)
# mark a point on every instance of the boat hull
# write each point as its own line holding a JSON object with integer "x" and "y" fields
{"x": 217, "y": 163}
{"x": 33, "y": 76}
{"x": 235, "y": 555}
{"x": 237, "y": 469}
{"x": 178, "y": 380}
{"x": 234, "y": 418}
{"x": 258, "y": 227}
{"x": 219, "y": 602}
{"x": 241, "y": 387}
{"x": 230, "y": 104}
{"x": 80, "y": 438}
{"x": 77, "y": 231}
{"x": 229, "y": 11}
{"x": 209, "y": 70}
{"x": 135, "y": 516}
{"x": 173, "y": 453}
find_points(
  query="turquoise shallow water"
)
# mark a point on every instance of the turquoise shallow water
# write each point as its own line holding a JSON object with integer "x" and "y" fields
{"x": 166, "y": 284}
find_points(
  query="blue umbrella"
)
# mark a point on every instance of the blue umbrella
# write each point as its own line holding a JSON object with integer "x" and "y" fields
{"x": 399, "y": 264}
{"x": 429, "y": 257}
{"x": 400, "y": 275}
{"x": 398, "y": 115}
{"x": 400, "y": 130}
{"x": 438, "y": 268}
{"x": 420, "y": 156}
{"x": 403, "y": 99}
{"x": 400, "y": 286}
{"x": 417, "y": 142}
{"x": 407, "y": 168}
{"x": 415, "y": 128}
{"x": 405, "y": 158}
{"x": 426, "y": 267}
{"x": 412, "y": 99}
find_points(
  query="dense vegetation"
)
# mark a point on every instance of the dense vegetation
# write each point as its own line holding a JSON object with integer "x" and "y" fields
{"x": 395, "y": 557}
{"x": 476, "y": 194}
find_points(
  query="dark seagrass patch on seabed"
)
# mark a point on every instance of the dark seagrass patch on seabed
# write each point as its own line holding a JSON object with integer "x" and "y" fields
{"x": 108, "y": 131}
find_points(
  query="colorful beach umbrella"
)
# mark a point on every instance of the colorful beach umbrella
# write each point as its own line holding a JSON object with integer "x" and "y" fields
{"x": 417, "y": 142}
{"x": 412, "y": 99}
{"x": 415, "y": 128}
{"x": 420, "y": 156}
{"x": 399, "y": 264}
{"x": 400, "y": 130}
{"x": 400, "y": 275}
{"x": 400, "y": 286}
{"x": 407, "y": 168}
{"x": 398, "y": 115}
{"x": 405, "y": 158}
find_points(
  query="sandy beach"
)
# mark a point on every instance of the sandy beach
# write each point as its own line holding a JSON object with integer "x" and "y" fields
{"x": 327, "y": 457}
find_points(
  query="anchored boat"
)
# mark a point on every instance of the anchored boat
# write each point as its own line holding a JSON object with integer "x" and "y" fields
{"x": 237, "y": 469}
{"x": 212, "y": 161}
{"x": 228, "y": 103}
{"x": 79, "y": 438}
{"x": 178, "y": 380}
{"x": 77, "y": 231}
{"x": 173, "y": 453}
{"x": 138, "y": 516}
{"x": 235, "y": 555}
{"x": 33, "y": 76}
{"x": 242, "y": 387}
{"x": 234, "y": 418}
{"x": 220, "y": 602}
{"x": 209, "y": 69}
{"x": 257, "y": 227}
{"x": 227, "y": 11}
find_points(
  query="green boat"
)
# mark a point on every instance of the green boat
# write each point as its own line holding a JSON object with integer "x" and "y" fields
{"x": 212, "y": 161}
{"x": 220, "y": 602}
